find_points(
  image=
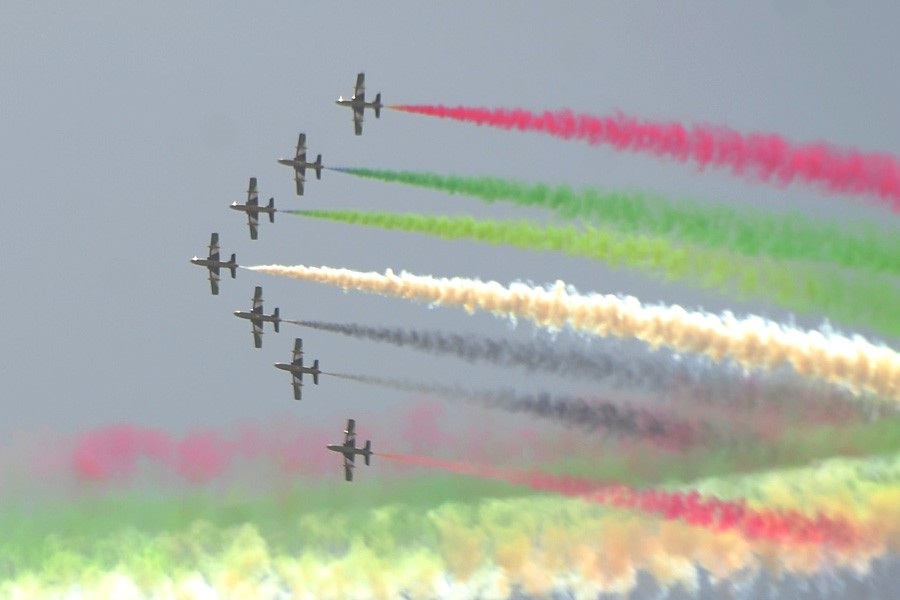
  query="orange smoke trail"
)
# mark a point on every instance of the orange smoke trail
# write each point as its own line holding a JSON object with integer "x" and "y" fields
{"x": 789, "y": 527}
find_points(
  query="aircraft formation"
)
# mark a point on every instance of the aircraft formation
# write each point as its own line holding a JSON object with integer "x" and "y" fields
{"x": 256, "y": 315}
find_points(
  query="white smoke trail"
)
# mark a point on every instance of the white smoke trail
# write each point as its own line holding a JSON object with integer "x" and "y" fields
{"x": 752, "y": 341}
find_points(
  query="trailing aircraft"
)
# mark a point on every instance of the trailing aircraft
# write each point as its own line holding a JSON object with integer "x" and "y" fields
{"x": 300, "y": 164}
{"x": 257, "y": 317}
{"x": 297, "y": 369}
{"x": 214, "y": 263}
{"x": 350, "y": 451}
{"x": 252, "y": 208}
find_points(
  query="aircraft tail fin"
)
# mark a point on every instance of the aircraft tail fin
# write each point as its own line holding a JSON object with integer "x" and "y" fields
{"x": 233, "y": 267}
{"x": 319, "y": 167}
{"x": 378, "y": 105}
{"x": 271, "y": 210}
{"x": 368, "y": 454}
{"x": 277, "y": 319}
{"x": 316, "y": 371}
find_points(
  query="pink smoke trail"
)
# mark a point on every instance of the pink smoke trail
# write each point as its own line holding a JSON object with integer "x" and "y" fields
{"x": 768, "y": 157}
{"x": 114, "y": 452}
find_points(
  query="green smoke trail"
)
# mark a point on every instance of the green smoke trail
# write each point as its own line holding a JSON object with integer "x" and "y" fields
{"x": 745, "y": 231}
{"x": 866, "y": 301}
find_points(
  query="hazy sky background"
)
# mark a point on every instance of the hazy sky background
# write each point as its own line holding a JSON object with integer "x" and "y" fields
{"x": 128, "y": 128}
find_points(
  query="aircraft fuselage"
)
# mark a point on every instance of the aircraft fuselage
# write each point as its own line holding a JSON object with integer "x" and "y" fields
{"x": 205, "y": 262}
{"x": 291, "y": 162}
{"x": 292, "y": 368}
{"x": 252, "y": 316}
{"x": 354, "y": 103}
{"x": 262, "y": 208}
{"x": 347, "y": 450}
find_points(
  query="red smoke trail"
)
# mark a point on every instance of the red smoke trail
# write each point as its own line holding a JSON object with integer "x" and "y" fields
{"x": 769, "y": 157}
{"x": 689, "y": 507}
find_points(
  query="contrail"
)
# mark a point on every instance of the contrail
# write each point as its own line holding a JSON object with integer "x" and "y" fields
{"x": 751, "y": 341}
{"x": 686, "y": 380}
{"x": 708, "y": 445}
{"x": 590, "y": 415}
{"x": 846, "y": 299}
{"x": 767, "y": 157}
{"x": 754, "y": 233}
{"x": 608, "y": 364}
{"x": 789, "y": 526}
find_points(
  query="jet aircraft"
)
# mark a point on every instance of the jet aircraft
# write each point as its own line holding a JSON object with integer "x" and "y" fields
{"x": 300, "y": 165}
{"x": 214, "y": 263}
{"x": 349, "y": 449}
{"x": 297, "y": 369}
{"x": 252, "y": 208}
{"x": 358, "y": 102}
{"x": 257, "y": 317}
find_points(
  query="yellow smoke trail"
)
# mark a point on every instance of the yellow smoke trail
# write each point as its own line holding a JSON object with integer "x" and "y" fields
{"x": 753, "y": 341}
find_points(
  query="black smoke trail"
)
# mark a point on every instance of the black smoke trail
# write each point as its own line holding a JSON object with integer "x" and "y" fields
{"x": 592, "y": 415}
{"x": 605, "y": 362}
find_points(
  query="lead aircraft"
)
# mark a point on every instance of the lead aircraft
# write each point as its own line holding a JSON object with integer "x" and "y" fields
{"x": 358, "y": 103}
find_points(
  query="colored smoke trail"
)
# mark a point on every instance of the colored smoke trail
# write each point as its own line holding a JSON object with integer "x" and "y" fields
{"x": 767, "y": 157}
{"x": 115, "y": 452}
{"x": 607, "y": 364}
{"x": 752, "y": 341}
{"x": 788, "y": 526}
{"x": 745, "y": 231}
{"x": 588, "y": 414}
{"x": 540, "y": 545}
{"x": 803, "y": 289}
{"x": 701, "y": 448}
{"x": 684, "y": 380}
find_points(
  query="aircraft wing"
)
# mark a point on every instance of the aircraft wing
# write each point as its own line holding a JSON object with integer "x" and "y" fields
{"x": 348, "y": 467}
{"x": 298, "y": 350}
{"x": 253, "y": 223}
{"x": 257, "y": 300}
{"x": 214, "y": 246}
{"x": 252, "y": 194}
{"x": 357, "y": 120}
{"x": 214, "y": 280}
{"x": 350, "y": 434}
{"x": 301, "y": 147}
{"x": 299, "y": 181}
{"x": 359, "y": 91}
{"x": 298, "y": 386}
{"x": 257, "y": 334}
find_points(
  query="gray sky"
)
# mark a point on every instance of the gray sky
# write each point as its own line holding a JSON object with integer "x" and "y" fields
{"x": 127, "y": 129}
